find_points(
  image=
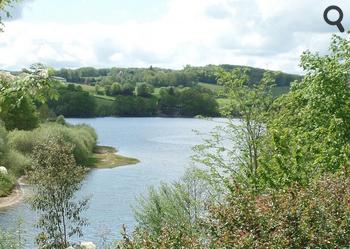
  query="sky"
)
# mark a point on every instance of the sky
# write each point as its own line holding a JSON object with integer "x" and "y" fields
{"x": 269, "y": 34}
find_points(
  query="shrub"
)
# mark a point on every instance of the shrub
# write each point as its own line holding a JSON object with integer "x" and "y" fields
{"x": 17, "y": 163}
{"x": 9, "y": 240}
{"x": 82, "y": 137}
{"x": 6, "y": 185}
{"x": 22, "y": 141}
{"x": 317, "y": 216}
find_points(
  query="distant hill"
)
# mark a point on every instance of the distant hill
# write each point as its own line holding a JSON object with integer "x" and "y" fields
{"x": 160, "y": 77}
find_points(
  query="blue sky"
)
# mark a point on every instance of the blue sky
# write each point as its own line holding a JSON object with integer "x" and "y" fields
{"x": 166, "y": 33}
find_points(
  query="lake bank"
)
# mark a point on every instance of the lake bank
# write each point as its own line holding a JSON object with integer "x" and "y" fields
{"x": 104, "y": 157}
{"x": 14, "y": 198}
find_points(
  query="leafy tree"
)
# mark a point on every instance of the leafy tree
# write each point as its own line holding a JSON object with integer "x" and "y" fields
{"x": 23, "y": 116}
{"x": 233, "y": 153}
{"x": 144, "y": 90}
{"x": 169, "y": 103}
{"x": 310, "y": 131}
{"x": 197, "y": 101}
{"x": 19, "y": 93}
{"x": 56, "y": 178}
{"x": 114, "y": 90}
{"x": 73, "y": 103}
{"x": 127, "y": 89}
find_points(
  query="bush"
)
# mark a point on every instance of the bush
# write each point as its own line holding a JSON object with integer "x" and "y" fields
{"x": 314, "y": 217}
{"x": 9, "y": 240}
{"x": 7, "y": 183}
{"x": 82, "y": 137}
{"x": 169, "y": 216}
{"x": 22, "y": 141}
{"x": 3, "y": 141}
{"x": 17, "y": 163}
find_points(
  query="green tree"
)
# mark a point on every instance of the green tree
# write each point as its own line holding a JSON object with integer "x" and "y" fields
{"x": 128, "y": 89}
{"x": 197, "y": 101}
{"x": 310, "y": 131}
{"x": 18, "y": 95}
{"x": 23, "y": 116}
{"x": 233, "y": 154}
{"x": 114, "y": 90}
{"x": 144, "y": 90}
{"x": 56, "y": 178}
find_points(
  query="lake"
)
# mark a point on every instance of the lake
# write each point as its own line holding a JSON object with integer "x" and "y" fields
{"x": 164, "y": 147}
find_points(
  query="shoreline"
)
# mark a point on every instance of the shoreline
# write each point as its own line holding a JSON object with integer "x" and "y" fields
{"x": 105, "y": 157}
{"x": 14, "y": 198}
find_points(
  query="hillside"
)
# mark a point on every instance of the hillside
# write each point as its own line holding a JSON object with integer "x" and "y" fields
{"x": 160, "y": 77}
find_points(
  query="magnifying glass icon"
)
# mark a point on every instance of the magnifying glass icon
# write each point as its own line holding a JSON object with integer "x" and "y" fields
{"x": 338, "y": 21}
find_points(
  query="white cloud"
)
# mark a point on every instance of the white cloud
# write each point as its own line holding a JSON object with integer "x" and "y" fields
{"x": 263, "y": 33}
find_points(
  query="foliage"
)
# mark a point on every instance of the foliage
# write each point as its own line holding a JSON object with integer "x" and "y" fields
{"x": 144, "y": 90}
{"x": 280, "y": 174}
{"x": 3, "y": 141}
{"x": 313, "y": 217}
{"x": 197, "y": 101}
{"x": 7, "y": 183}
{"x": 56, "y": 178}
{"x": 310, "y": 128}
{"x": 22, "y": 117}
{"x": 18, "y": 94}
{"x": 159, "y": 77}
{"x": 134, "y": 106}
{"x": 82, "y": 137}
{"x": 114, "y": 89}
{"x": 17, "y": 163}
{"x": 171, "y": 210}
{"x": 232, "y": 153}
{"x": 11, "y": 239}
{"x": 73, "y": 102}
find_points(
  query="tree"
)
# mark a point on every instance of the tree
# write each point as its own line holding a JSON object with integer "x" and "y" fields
{"x": 144, "y": 90}
{"x": 114, "y": 90}
{"x": 127, "y": 89}
{"x": 23, "y": 116}
{"x": 233, "y": 153}
{"x": 19, "y": 93}
{"x": 197, "y": 101}
{"x": 74, "y": 103}
{"x": 56, "y": 178}
{"x": 310, "y": 131}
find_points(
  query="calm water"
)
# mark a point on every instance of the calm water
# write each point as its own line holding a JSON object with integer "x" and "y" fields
{"x": 163, "y": 146}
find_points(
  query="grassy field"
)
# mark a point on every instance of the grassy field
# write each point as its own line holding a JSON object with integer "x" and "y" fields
{"x": 106, "y": 157}
{"x": 214, "y": 88}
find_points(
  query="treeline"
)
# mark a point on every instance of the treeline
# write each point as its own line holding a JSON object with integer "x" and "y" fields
{"x": 159, "y": 77}
{"x": 138, "y": 101}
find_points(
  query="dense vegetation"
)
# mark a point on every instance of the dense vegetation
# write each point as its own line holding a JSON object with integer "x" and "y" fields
{"x": 158, "y": 77}
{"x": 277, "y": 179}
{"x": 151, "y": 91}
{"x": 73, "y": 101}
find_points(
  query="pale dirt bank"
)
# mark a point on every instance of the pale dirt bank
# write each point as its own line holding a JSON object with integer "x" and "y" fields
{"x": 15, "y": 197}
